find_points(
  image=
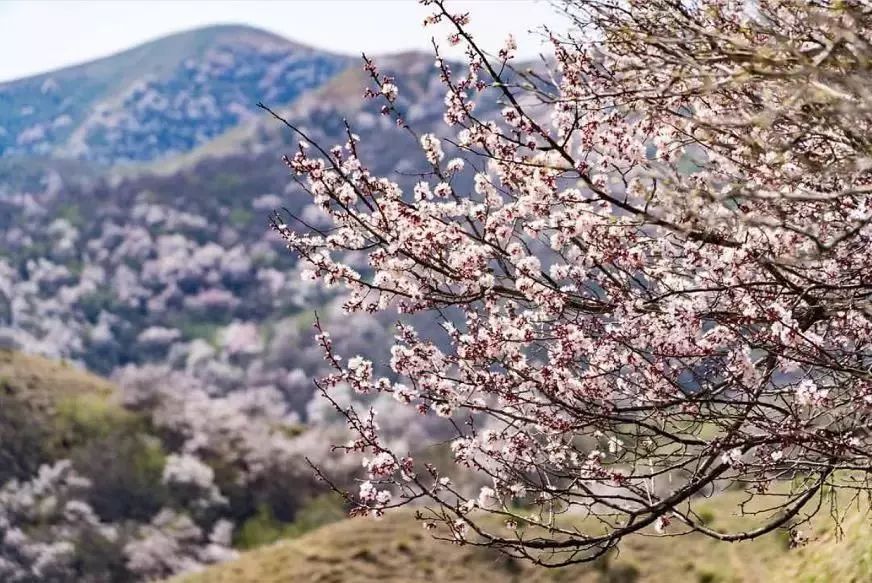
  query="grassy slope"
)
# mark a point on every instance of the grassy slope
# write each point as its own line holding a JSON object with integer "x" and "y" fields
{"x": 45, "y": 384}
{"x": 835, "y": 557}
{"x": 47, "y": 410}
{"x": 396, "y": 548}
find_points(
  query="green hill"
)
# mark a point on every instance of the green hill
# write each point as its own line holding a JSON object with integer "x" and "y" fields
{"x": 844, "y": 557}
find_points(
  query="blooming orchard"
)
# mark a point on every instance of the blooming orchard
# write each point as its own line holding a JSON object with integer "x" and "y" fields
{"x": 653, "y": 271}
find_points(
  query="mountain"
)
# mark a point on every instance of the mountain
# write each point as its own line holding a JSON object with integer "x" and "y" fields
{"x": 158, "y": 99}
{"x": 170, "y": 263}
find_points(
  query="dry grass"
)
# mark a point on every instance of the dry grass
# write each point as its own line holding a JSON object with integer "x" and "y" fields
{"x": 396, "y": 549}
{"x": 43, "y": 383}
{"x": 833, "y": 556}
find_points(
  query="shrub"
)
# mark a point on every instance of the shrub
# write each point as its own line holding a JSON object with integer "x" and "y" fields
{"x": 23, "y": 440}
{"x": 263, "y": 528}
{"x": 126, "y": 470}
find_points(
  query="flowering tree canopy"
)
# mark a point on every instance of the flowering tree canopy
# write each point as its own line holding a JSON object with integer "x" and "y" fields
{"x": 653, "y": 269}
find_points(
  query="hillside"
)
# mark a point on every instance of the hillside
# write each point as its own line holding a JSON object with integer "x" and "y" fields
{"x": 43, "y": 383}
{"x": 396, "y": 548}
{"x": 94, "y": 477}
{"x": 161, "y": 98}
{"x": 835, "y": 557}
{"x": 319, "y": 113}
{"x": 37, "y": 398}
{"x": 173, "y": 265}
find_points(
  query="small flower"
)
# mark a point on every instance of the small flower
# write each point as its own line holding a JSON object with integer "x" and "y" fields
{"x": 360, "y": 368}
{"x": 809, "y": 394}
{"x": 487, "y": 498}
{"x": 509, "y": 47}
{"x": 432, "y": 148}
{"x": 443, "y": 409}
{"x": 460, "y": 528}
{"x": 661, "y": 523}
{"x": 390, "y": 91}
{"x": 732, "y": 457}
{"x": 367, "y": 492}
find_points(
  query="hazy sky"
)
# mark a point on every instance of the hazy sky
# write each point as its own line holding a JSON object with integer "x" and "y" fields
{"x": 40, "y": 35}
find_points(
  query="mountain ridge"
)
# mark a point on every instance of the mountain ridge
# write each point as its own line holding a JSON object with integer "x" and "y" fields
{"x": 217, "y": 28}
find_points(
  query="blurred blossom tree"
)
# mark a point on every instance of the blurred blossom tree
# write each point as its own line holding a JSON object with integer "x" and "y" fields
{"x": 660, "y": 253}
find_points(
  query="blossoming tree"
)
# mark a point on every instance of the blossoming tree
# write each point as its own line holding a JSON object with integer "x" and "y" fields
{"x": 653, "y": 271}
